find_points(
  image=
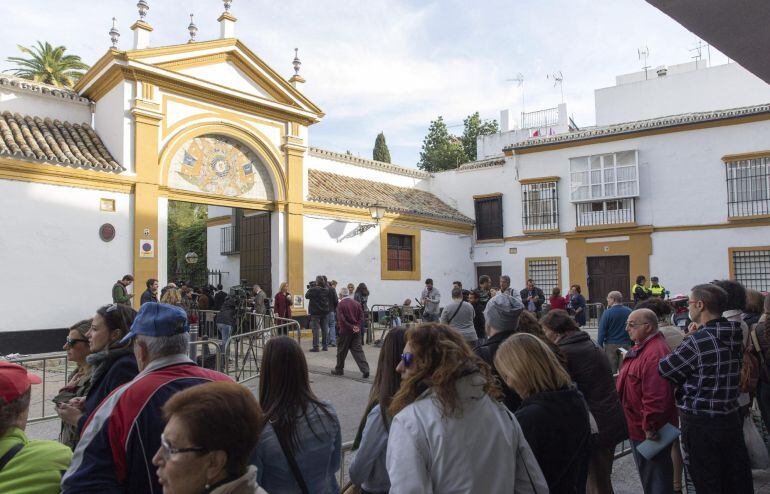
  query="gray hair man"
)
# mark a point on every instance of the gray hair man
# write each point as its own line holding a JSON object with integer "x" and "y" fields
{"x": 124, "y": 433}
{"x": 612, "y": 334}
{"x": 502, "y": 320}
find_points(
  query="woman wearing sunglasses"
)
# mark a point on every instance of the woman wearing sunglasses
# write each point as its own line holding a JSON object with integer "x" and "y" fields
{"x": 201, "y": 455}
{"x": 79, "y": 383}
{"x": 112, "y": 364}
{"x": 449, "y": 434}
{"x": 367, "y": 470}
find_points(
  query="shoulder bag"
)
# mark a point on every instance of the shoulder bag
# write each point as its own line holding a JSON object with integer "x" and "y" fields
{"x": 293, "y": 466}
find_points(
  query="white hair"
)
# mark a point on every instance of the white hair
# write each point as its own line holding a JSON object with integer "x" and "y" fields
{"x": 164, "y": 346}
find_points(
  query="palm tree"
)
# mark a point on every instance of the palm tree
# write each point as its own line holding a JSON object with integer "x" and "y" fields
{"x": 49, "y": 65}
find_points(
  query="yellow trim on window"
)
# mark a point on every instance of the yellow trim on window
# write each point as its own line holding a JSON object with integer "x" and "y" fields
{"x": 538, "y": 180}
{"x": 745, "y": 156}
{"x": 385, "y": 273}
{"x": 553, "y": 258}
{"x": 732, "y": 250}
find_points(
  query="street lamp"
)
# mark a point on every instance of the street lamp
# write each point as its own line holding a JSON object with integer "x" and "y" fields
{"x": 191, "y": 258}
{"x": 377, "y": 212}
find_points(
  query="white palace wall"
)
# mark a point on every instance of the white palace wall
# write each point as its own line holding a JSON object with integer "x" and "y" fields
{"x": 50, "y": 241}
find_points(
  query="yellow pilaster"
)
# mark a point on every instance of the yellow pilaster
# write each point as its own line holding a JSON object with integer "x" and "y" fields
{"x": 295, "y": 257}
{"x": 146, "y": 128}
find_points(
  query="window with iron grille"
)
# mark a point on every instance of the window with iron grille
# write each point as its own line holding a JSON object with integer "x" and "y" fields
{"x": 748, "y": 187}
{"x": 400, "y": 252}
{"x": 539, "y": 206}
{"x": 545, "y": 273}
{"x": 752, "y": 268}
{"x": 489, "y": 217}
{"x": 604, "y": 176}
{"x": 615, "y": 212}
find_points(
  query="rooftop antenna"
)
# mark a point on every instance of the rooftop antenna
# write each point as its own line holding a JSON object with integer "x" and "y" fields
{"x": 558, "y": 80}
{"x": 643, "y": 54}
{"x": 699, "y": 51}
{"x": 519, "y": 80}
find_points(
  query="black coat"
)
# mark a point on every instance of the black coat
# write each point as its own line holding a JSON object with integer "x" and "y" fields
{"x": 556, "y": 426}
{"x": 588, "y": 366}
{"x": 226, "y": 314}
{"x": 148, "y": 296}
{"x": 540, "y": 298}
{"x": 318, "y": 301}
{"x": 487, "y": 351}
{"x": 112, "y": 370}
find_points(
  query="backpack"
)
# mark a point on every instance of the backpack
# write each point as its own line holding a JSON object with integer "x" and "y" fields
{"x": 749, "y": 370}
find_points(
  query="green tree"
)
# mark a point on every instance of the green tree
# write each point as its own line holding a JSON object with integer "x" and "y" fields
{"x": 381, "y": 152}
{"x": 473, "y": 127}
{"x": 49, "y": 65}
{"x": 186, "y": 233}
{"x": 440, "y": 149}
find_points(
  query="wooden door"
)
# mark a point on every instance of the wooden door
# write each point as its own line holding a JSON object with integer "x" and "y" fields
{"x": 254, "y": 236}
{"x": 605, "y": 274}
{"x": 494, "y": 273}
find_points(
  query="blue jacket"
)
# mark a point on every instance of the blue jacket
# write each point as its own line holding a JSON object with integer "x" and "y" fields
{"x": 318, "y": 456}
{"x": 612, "y": 326}
{"x": 115, "y": 451}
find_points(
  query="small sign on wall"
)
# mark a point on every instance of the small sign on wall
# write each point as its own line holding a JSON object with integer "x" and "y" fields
{"x": 146, "y": 248}
{"x": 107, "y": 232}
{"x": 299, "y": 301}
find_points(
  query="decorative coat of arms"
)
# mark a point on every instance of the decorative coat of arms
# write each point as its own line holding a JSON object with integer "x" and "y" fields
{"x": 222, "y": 166}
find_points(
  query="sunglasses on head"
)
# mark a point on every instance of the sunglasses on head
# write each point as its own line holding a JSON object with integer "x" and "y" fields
{"x": 71, "y": 341}
{"x": 407, "y": 359}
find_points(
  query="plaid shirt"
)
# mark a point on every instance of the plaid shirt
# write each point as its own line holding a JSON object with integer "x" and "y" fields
{"x": 706, "y": 368}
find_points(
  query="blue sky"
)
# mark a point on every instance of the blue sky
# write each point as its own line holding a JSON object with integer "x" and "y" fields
{"x": 395, "y": 65}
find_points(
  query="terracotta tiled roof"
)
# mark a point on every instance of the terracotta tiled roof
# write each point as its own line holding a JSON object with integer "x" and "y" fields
{"x": 349, "y": 191}
{"x": 19, "y": 84}
{"x": 485, "y": 163}
{"x": 365, "y": 163}
{"x": 53, "y": 141}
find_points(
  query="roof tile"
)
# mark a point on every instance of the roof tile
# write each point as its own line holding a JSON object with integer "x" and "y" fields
{"x": 349, "y": 191}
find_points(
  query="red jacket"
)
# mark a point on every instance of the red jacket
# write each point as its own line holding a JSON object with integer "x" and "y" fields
{"x": 349, "y": 315}
{"x": 647, "y": 398}
{"x": 558, "y": 302}
{"x": 282, "y": 305}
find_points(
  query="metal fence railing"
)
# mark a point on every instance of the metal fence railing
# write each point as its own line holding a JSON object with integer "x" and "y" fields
{"x": 54, "y": 369}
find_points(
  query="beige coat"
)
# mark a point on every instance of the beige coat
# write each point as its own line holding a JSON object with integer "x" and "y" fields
{"x": 245, "y": 484}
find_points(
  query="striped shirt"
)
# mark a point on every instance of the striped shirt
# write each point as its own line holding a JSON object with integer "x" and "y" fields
{"x": 706, "y": 368}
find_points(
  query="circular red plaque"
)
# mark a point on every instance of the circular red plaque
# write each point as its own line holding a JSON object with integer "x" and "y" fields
{"x": 107, "y": 232}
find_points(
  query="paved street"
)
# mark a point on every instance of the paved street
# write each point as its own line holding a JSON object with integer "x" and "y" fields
{"x": 349, "y": 394}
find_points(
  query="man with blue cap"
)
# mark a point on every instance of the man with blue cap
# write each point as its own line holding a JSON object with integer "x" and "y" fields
{"x": 115, "y": 451}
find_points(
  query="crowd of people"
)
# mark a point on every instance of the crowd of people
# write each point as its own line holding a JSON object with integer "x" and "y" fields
{"x": 532, "y": 404}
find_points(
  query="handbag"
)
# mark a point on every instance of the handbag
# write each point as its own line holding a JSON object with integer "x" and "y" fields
{"x": 293, "y": 466}
{"x": 351, "y": 488}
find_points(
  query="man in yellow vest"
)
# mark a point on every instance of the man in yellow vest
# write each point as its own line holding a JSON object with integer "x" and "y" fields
{"x": 639, "y": 291}
{"x": 656, "y": 290}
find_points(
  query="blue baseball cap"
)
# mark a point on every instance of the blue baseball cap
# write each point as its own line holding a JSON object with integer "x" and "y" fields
{"x": 154, "y": 319}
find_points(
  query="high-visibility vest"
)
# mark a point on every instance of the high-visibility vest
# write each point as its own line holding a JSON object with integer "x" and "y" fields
{"x": 644, "y": 289}
{"x": 657, "y": 291}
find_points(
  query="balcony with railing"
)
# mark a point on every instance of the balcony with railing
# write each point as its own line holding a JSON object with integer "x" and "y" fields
{"x": 599, "y": 214}
{"x": 228, "y": 241}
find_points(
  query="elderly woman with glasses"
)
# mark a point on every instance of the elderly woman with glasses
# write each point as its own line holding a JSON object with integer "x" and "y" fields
{"x": 79, "y": 383}
{"x": 448, "y": 433}
{"x": 113, "y": 363}
{"x": 201, "y": 455}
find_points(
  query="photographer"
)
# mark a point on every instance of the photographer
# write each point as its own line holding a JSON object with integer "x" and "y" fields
{"x": 318, "y": 298}
{"x": 225, "y": 319}
{"x": 259, "y": 299}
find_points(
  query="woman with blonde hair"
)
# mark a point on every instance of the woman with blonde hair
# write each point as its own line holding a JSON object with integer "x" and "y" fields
{"x": 171, "y": 297}
{"x": 449, "y": 433}
{"x": 282, "y": 305}
{"x": 553, "y": 414}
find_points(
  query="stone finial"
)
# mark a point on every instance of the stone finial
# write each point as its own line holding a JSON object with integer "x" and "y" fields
{"x": 193, "y": 29}
{"x": 227, "y": 3}
{"x": 227, "y": 21}
{"x": 143, "y": 7}
{"x": 296, "y": 78}
{"x": 114, "y": 34}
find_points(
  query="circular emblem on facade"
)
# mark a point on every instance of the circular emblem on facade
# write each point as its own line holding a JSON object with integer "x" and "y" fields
{"x": 107, "y": 232}
{"x": 220, "y": 166}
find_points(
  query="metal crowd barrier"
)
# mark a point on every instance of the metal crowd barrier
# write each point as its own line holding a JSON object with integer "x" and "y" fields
{"x": 379, "y": 319}
{"x": 345, "y": 450}
{"x": 54, "y": 369}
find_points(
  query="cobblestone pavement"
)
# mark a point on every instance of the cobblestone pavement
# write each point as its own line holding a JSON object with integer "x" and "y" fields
{"x": 349, "y": 394}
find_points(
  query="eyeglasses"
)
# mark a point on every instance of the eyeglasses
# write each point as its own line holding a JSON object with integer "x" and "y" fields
{"x": 690, "y": 302}
{"x": 632, "y": 324}
{"x": 167, "y": 451}
{"x": 407, "y": 359}
{"x": 71, "y": 341}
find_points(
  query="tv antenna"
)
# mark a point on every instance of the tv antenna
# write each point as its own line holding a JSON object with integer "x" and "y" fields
{"x": 558, "y": 80}
{"x": 519, "y": 80}
{"x": 698, "y": 50}
{"x": 643, "y": 54}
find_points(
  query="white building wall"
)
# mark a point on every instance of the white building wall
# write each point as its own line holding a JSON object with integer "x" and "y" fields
{"x": 114, "y": 124}
{"x": 44, "y": 106}
{"x": 682, "y": 90}
{"x": 229, "y": 265}
{"x": 356, "y": 259}
{"x": 50, "y": 241}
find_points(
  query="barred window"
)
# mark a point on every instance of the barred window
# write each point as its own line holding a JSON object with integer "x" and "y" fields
{"x": 748, "y": 187}
{"x": 539, "y": 206}
{"x": 752, "y": 268}
{"x": 545, "y": 272}
{"x": 400, "y": 252}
